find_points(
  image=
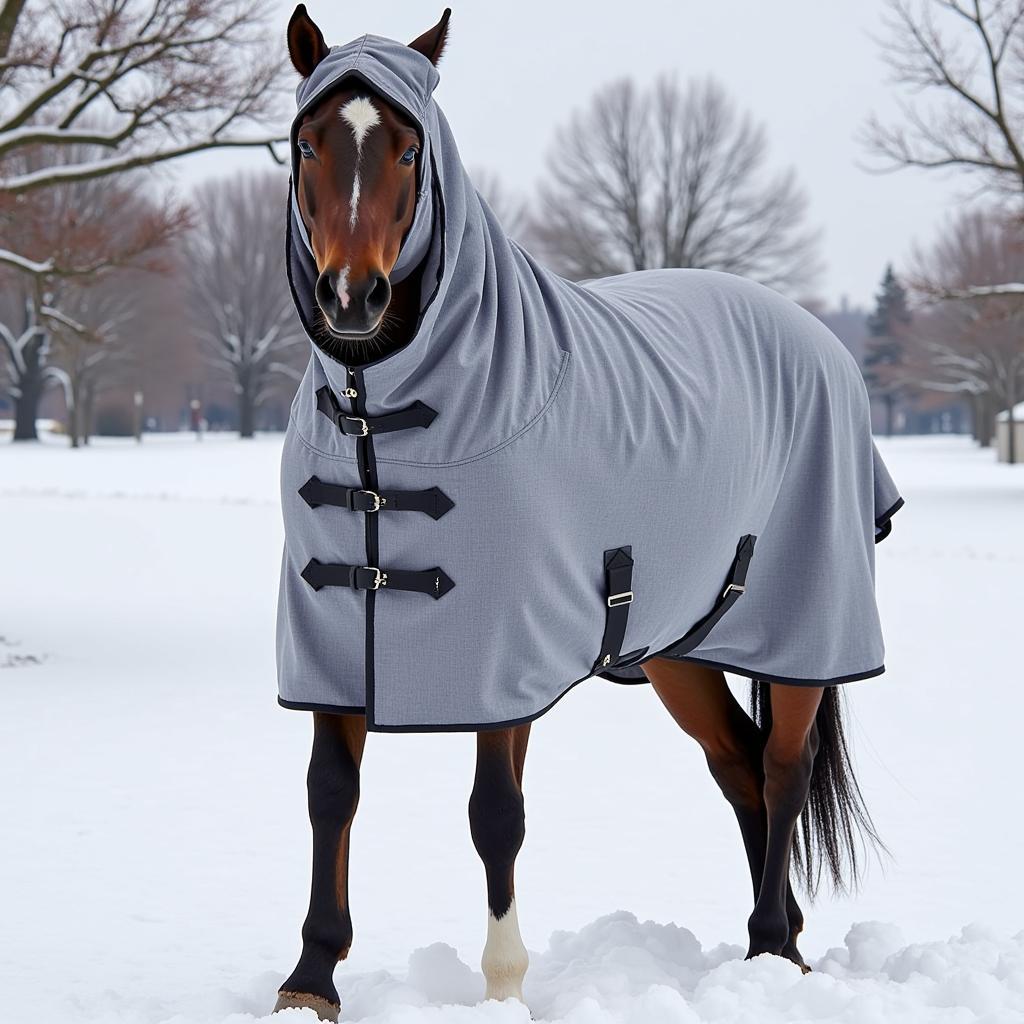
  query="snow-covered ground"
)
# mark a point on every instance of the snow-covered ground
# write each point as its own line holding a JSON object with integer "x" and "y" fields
{"x": 154, "y": 847}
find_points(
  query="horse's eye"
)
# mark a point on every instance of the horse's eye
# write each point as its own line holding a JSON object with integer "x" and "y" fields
{"x": 306, "y": 149}
{"x": 408, "y": 156}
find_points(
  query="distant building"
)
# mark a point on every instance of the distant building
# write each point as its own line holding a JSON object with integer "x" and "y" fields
{"x": 917, "y": 412}
{"x": 1003, "y": 434}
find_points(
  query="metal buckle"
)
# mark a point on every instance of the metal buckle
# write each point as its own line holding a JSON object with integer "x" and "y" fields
{"x": 738, "y": 587}
{"x": 626, "y": 597}
{"x": 378, "y": 501}
{"x": 356, "y": 419}
{"x": 380, "y": 579}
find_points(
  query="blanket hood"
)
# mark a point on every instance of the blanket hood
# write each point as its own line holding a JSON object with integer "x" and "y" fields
{"x": 483, "y": 308}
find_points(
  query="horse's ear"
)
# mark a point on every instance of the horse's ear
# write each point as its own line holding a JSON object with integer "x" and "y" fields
{"x": 306, "y": 45}
{"x": 432, "y": 43}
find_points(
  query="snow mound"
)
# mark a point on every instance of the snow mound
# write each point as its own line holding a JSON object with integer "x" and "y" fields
{"x": 619, "y": 970}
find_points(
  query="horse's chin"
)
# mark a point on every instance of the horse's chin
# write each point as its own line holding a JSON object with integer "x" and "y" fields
{"x": 355, "y": 338}
{"x": 349, "y": 348}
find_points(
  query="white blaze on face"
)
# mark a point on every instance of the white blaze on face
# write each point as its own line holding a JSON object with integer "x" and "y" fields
{"x": 343, "y": 296}
{"x": 505, "y": 958}
{"x": 361, "y": 116}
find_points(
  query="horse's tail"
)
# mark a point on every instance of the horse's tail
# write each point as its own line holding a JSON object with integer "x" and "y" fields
{"x": 835, "y": 828}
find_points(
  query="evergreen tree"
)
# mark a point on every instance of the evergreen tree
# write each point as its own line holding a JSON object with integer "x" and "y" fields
{"x": 884, "y": 352}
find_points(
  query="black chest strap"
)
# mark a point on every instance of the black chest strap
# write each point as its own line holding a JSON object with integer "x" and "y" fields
{"x": 435, "y": 582}
{"x": 433, "y": 501}
{"x": 416, "y": 415}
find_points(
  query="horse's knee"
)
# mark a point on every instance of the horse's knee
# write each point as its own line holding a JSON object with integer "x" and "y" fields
{"x": 497, "y": 818}
{"x": 737, "y": 777}
{"x": 787, "y": 774}
{"x": 332, "y": 786}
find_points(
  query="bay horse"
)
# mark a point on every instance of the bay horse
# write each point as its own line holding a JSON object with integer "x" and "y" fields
{"x": 361, "y": 174}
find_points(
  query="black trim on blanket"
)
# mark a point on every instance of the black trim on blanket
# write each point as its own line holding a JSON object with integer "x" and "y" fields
{"x": 326, "y": 709}
{"x": 884, "y": 522}
{"x": 768, "y": 678}
{"x": 368, "y": 478}
{"x": 512, "y": 722}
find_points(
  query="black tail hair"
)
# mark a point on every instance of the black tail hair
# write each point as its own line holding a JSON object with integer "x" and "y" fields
{"x": 835, "y": 828}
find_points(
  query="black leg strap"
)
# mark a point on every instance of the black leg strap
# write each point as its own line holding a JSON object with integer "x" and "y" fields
{"x": 416, "y": 415}
{"x": 434, "y": 582}
{"x": 734, "y": 588}
{"x": 618, "y": 576}
{"x": 433, "y": 501}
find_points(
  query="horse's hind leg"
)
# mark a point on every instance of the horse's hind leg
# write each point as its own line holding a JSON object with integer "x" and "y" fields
{"x": 700, "y": 701}
{"x": 333, "y": 791}
{"x": 789, "y": 755}
{"x": 498, "y": 825}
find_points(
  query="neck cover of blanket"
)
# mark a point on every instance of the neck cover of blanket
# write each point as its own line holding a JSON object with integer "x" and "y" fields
{"x": 555, "y": 480}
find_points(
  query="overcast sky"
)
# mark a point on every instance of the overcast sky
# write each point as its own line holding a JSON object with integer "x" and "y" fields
{"x": 809, "y": 70}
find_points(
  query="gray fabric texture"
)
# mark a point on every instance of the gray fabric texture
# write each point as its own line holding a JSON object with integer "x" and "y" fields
{"x": 671, "y": 410}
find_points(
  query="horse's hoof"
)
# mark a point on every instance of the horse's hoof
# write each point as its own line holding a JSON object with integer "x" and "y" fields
{"x": 792, "y": 954}
{"x": 325, "y": 1009}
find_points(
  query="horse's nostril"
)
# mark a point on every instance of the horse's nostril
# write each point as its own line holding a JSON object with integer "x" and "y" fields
{"x": 326, "y": 293}
{"x": 378, "y": 296}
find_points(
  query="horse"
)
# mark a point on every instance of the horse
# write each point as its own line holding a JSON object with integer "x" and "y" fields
{"x": 369, "y": 194}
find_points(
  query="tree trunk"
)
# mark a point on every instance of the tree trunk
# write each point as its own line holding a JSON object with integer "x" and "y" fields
{"x": 890, "y": 404}
{"x": 246, "y": 413}
{"x": 75, "y": 414}
{"x": 85, "y": 407}
{"x": 986, "y": 419}
{"x": 1011, "y": 425}
{"x": 30, "y": 392}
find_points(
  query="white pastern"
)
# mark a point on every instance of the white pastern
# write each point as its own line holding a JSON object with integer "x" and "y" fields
{"x": 361, "y": 116}
{"x": 343, "y": 296}
{"x": 505, "y": 958}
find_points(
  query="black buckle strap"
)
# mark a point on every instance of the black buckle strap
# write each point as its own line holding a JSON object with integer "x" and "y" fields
{"x": 435, "y": 582}
{"x": 433, "y": 501}
{"x": 618, "y": 576}
{"x": 735, "y": 587}
{"x": 416, "y": 415}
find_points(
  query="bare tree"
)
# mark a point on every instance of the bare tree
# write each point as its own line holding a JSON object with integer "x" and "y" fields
{"x": 962, "y": 62}
{"x": 97, "y": 224}
{"x": 94, "y": 341}
{"x": 509, "y": 208}
{"x": 139, "y": 82}
{"x": 671, "y": 177}
{"x": 973, "y": 341}
{"x": 243, "y": 312}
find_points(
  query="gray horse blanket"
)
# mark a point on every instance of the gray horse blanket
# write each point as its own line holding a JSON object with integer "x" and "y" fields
{"x": 554, "y": 480}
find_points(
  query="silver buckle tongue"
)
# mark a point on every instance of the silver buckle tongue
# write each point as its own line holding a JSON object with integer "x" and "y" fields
{"x": 359, "y": 419}
{"x": 380, "y": 579}
{"x": 378, "y": 501}
{"x": 738, "y": 587}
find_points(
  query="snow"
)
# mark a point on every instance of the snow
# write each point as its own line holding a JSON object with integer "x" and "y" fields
{"x": 155, "y": 844}
{"x": 1018, "y": 413}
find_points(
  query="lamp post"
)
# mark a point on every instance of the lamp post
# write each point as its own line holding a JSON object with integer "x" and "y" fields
{"x": 138, "y": 416}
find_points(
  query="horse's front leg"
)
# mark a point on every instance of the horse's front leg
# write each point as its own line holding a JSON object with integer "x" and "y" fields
{"x": 333, "y": 789}
{"x": 788, "y": 766}
{"x": 498, "y": 826}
